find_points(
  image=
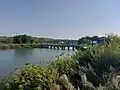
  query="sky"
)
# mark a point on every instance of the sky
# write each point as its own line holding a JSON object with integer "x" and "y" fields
{"x": 70, "y": 19}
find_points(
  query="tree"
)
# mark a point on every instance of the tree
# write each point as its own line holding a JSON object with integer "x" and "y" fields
{"x": 22, "y": 39}
{"x": 95, "y": 38}
{"x": 85, "y": 40}
{"x": 5, "y": 40}
{"x": 87, "y": 37}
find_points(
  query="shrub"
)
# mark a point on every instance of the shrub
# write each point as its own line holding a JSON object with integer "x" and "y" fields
{"x": 30, "y": 78}
{"x": 64, "y": 65}
{"x": 33, "y": 77}
{"x": 101, "y": 58}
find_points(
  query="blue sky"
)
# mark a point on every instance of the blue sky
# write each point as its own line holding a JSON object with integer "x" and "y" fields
{"x": 59, "y": 18}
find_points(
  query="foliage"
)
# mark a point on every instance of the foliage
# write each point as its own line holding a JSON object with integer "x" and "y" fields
{"x": 85, "y": 40}
{"x": 64, "y": 65}
{"x": 21, "y": 39}
{"x": 90, "y": 40}
{"x": 95, "y": 38}
{"x": 33, "y": 77}
{"x": 6, "y": 40}
{"x": 30, "y": 78}
{"x": 101, "y": 59}
{"x": 15, "y": 46}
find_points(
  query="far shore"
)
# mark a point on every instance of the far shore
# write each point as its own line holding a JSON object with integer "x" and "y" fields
{"x": 15, "y": 46}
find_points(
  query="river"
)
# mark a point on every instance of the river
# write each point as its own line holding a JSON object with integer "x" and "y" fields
{"x": 16, "y": 58}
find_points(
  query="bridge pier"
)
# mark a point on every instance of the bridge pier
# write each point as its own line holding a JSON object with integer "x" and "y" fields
{"x": 44, "y": 46}
{"x": 62, "y": 47}
{"x": 68, "y": 48}
{"x": 76, "y": 47}
{"x": 73, "y": 48}
{"x": 58, "y": 47}
{"x": 54, "y": 47}
{"x": 50, "y": 47}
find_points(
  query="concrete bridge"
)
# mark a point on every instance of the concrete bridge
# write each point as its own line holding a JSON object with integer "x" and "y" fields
{"x": 61, "y": 46}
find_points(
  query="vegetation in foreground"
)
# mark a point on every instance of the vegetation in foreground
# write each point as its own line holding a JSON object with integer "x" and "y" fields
{"x": 96, "y": 68}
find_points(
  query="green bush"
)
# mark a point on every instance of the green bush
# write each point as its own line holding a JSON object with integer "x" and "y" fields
{"x": 64, "y": 65}
{"x": 30, "y": 78}
{"x": 101, "y": 58}
{"x": 33, "y": 77}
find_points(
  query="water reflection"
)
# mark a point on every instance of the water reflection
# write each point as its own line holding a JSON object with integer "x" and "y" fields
{"x": 10, "y": 59}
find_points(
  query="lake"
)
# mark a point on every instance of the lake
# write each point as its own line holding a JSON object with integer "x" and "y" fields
{"x": 16, "y": 58}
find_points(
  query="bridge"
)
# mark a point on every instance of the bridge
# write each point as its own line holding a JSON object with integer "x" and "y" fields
{"x": 59, "y": 46}
{"x": 65, "y": 43}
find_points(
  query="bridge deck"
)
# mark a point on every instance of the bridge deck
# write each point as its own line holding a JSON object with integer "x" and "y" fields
{"x": 65, "y": 45}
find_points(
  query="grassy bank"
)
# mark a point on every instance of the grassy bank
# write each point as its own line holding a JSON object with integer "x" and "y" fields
{"x": 96, "y": 68}
{"x": 15, "y": 46}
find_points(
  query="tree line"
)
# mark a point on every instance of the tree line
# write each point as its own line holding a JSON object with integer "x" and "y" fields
{"x": 26, "y": 39}
{"x": 21, "y": 39}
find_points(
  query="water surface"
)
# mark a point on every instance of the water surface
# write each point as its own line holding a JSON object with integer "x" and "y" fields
{"x": 16, "y": 58}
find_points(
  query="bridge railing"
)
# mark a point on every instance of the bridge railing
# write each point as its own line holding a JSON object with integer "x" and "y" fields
{"x": 60, "y": 44}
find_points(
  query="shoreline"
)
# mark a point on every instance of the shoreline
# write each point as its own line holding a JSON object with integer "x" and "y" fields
{"x": 15, "y": 46}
